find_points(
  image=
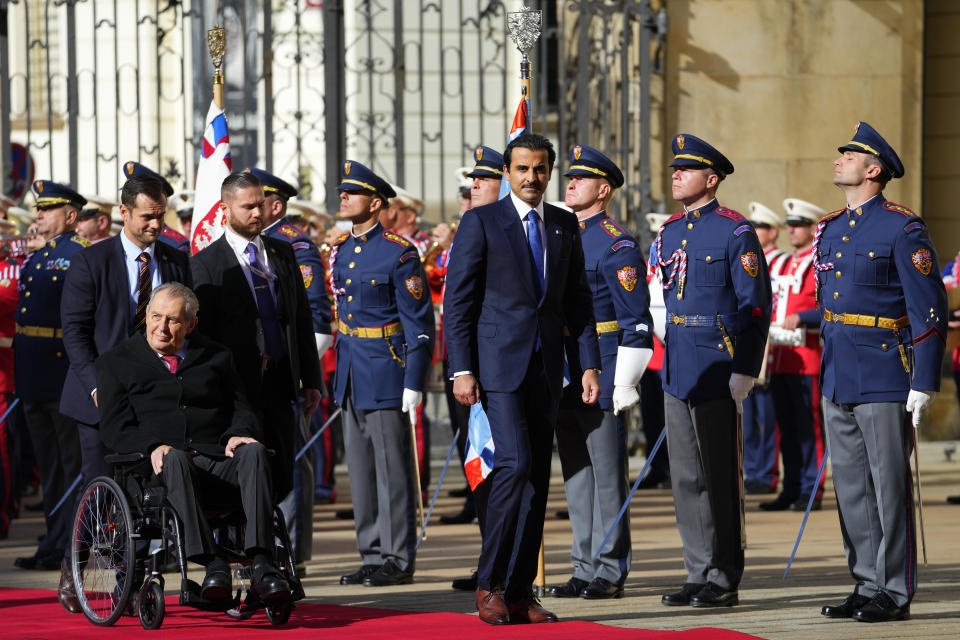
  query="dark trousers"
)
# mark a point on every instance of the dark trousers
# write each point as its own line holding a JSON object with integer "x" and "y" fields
{"x": 57, "y": 448}
{"x": 522, "y": 424}
{"x": 9, "y": 467}
{"x": 797, "y": 401}
{"x": 459, "y": 425}
{"x": 185, "y": 476}
{"x": 92, "y": 452}
{"x": 705, "y": 476}
{"x": 278, "y": 420}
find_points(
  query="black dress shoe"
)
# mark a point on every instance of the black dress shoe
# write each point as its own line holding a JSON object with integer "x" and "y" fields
{"x": 563, "y": 514}
{"x": 757, "y": 487}
{"x": 358, "y": 576}
{"x": 654, "y": 482}
{"x": 800, "y": 504}
{"x": 459, "y": 493}
{"x": 569, "y": 589}
{"x": 882, "y": 609}
{"x": 601, "y": 589}
{"x": 466, "y": 516}
{"x": 846, "y": 608}
{"x": 781, "y": 503}
{"x": 268, "y": 583}
{"x": 343, "y": 514}
{"x": 217, "y": 584}
{"x": 40, "y": 563}
{"x": 466, "y": 584}
{"x": 682, "y": 597}
{"x": 953, "y": 499}
{"x": 713, "y": 595}
{"x": 389, "y": 575}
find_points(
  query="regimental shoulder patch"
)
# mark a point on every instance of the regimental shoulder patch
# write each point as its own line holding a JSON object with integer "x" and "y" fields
{"x": 730, "y": 213}
{"x": 415, "y": 286}
{"x": 409, "y": 255}
{"x": 899, "y": 208}
{"x": 750, "y": 263}
{"x": 612, "y": 228}
{"x": 913, "y": 226}
{"x": 80, "y": 240}
{"x": 627, "y": 277}
{"x": 922, "y": 260}
{"x": 307, "y": 272}
{"x": 290, "y": 231}
{"x": 397, "y": 239}
{"x": 340, "y": 239}
{"x": 620, "y": 244}
{"x": 742, "y": 229}
{"x": 297, "y": 246}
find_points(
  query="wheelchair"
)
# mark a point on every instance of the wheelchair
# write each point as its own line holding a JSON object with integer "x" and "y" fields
{"x": 114, "y": 574}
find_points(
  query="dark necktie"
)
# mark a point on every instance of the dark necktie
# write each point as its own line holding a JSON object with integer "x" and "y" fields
{"x": 173, "y": 362}
{"x": 536, "y": 251}
{"x": 272, "y": 335}
{"x": 144, "y": 288}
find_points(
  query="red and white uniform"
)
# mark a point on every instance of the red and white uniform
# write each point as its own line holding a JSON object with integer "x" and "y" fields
{"x": 794, "y": 291}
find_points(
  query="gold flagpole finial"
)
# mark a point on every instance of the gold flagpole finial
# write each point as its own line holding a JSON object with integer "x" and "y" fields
{"x": 216, "y": 39}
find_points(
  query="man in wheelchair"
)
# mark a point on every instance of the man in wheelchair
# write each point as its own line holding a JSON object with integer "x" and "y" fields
{"x": 174, "y": 396}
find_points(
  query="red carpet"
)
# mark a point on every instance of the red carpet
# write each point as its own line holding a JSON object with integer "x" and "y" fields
{"x": 35, "y": 614}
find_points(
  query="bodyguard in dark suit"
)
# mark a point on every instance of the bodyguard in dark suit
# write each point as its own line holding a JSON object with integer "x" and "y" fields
{"x": 515, "y": 279}
{"x": 715, "y": 285}
{"x": 884, "y": 321}
{"x": 40, "y": 362}
{"x": 170, "y": 237}
{"x": 179, "y": 401}
{"x": 253, "y": 302}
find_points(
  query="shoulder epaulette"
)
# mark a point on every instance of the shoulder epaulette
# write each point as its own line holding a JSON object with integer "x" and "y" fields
{"x": 340, "y": 239}
{"x": 673, "y": 218}
{"x": 612, "y": 228}
{"x": 397, "y": 239}
{"x": 830, "y": 216}
{"x": 620, "y": 244}
{"x": 899, "y": 208}
{"x": 83, "y": 242}
{"x": 289, "y": 230}
{"x": 173, "y": 234}
{"x": 730, "y": 213}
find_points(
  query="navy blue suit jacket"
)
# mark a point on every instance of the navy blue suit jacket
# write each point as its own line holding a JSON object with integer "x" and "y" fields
{"x": 491, "y": 312}
{"x": 95, "y": 314}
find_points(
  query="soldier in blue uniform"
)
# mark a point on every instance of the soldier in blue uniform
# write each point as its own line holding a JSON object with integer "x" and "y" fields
{"x": 717, "y": 293}
{"x": 298, "y": 506}
{"x": 40, "y": 363}
{"x": 168, "y": 235}
{"x": 384, "y": 347}
{"x": 591, "y": 442}
{"x": 884, "y": 321}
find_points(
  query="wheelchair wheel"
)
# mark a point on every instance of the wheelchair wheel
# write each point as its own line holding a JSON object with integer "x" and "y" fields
{"x": 152, "y": 606}
{"x": 279, "y": 613}
{"x": 102, "y": 549}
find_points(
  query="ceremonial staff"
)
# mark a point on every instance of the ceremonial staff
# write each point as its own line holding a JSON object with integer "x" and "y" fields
{"x": 524, "y": 27}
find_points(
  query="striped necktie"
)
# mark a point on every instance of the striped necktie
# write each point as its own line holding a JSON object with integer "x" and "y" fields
{"x": 144, "y": 288}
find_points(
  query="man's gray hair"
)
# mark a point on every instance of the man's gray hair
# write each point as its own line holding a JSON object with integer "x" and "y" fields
{"x": 190, "y": 303}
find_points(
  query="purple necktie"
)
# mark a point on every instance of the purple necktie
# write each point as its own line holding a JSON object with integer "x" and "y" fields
{"x": 272, "y": 335}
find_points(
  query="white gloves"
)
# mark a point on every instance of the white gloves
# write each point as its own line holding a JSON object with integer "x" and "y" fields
{"x": 323, "y": 343}
{"x": 917, "y": 401}
{"x": 411, "y": 400}
{"x": 631, "y": 363}
{"x": 740, "y": 386}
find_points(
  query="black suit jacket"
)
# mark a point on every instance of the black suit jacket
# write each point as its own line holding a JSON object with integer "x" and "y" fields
{"x": 492, "y": 315}
{"x": 228, "y": 314}
{"x": 143, "y": 405}
{"x": 95, "y": 314}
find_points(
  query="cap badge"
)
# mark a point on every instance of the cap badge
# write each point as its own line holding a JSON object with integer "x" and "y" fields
{"x": 346, "y": 168}
{"x": 478, "y": 153}
{"x": 38, "y": 186}
{"x": 577, "y": 150}
{"x": 680, "y": 142}
{"x": 128, "y": 167}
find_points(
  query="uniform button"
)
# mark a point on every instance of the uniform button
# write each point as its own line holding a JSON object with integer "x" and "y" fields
{"x": 352, "y": 265}
{"x": 884, "y": 346}
{"x": 26, "y": 294}
{"x": 845, "y": 238}
{"x": 182, "y": 407}
{"x": 349, "y": 280}
{"x": 46, "y": 253}
{"x": 853, "y": 223}
{"x": 837, "y": 273}
{"x": 836, "y": 294}
{"x": 30, "y": 279}
{"x": 689, "y": 225}
{"x": 59, "y": 354}
{"x": 708, "y": 258}
{"x": 871, "y": 254}
{"x": 356, "y": 249}
{"x": 180, "y": 378}
{"x": 54, "y": 278}
{"x": 349, "y": 316}
{"x": 839, "y": 255}
{"x": 720, "y": 346}
{"x": 349, "y": 298}
{"x": 37, "y": 267}
{"x": 373, "y": 282}
{"x": 23, "y": 309}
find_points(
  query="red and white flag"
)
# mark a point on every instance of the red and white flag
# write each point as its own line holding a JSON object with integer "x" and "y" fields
{"x": 215, "y": 165}
{"x": 521, "y": 125}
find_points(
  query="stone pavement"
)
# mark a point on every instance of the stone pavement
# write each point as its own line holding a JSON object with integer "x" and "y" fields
{"x": 770, "y": 607}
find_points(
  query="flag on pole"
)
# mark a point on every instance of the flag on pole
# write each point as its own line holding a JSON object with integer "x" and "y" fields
{"x": 215, "y": 165}
{"x": 478, "y": 462}
{"x": 521, "y": 124}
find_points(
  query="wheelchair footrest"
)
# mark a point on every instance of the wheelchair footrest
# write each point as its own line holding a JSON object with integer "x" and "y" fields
{"x": 190, "y": 597}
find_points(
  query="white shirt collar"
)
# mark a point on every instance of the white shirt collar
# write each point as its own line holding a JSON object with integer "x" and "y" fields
{"x": 130, "y": 250}
{"x": 523, "y": 208}
{"x": 239, "y": 244}
{"x": 367, "y": 232}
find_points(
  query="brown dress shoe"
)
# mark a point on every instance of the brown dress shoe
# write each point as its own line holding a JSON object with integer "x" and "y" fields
{"x": 529, "y": 609}
{"x": 66, "y": 593}
{"x": 491, "y": 607}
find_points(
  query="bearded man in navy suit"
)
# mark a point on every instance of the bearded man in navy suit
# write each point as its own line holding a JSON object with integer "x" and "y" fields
{"x": 515, "y": 280}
